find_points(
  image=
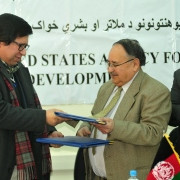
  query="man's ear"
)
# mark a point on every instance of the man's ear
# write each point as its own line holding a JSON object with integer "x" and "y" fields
{"x": 136, "y": 64}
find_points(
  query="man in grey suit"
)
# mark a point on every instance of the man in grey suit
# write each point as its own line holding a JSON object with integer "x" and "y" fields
{"x": 136, "y": 123}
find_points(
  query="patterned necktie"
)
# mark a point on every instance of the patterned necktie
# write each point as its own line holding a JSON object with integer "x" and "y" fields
{"x": 106, "y": 110}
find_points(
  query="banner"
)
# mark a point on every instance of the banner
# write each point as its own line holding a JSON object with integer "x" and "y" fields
{"x": 72, "y": 38}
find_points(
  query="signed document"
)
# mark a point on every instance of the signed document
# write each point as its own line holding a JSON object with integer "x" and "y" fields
{"x": 78, "y": 118}
{"x": 75, "y": 141}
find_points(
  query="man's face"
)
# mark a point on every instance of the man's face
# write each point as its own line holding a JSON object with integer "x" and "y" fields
{"x": 11, "y": 53}
{"x": 121, "y": 74}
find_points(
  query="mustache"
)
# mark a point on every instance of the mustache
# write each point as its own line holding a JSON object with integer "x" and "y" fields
{"x": 112, "y": 74}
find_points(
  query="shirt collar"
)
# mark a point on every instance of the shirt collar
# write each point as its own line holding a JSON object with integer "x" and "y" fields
{"x": 127, "y": 85}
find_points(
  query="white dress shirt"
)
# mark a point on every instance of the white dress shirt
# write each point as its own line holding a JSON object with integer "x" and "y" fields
{"x": 97, "y": 160}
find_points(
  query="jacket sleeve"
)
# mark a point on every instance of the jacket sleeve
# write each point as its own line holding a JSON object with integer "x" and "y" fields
{"x": 17, "y": 118}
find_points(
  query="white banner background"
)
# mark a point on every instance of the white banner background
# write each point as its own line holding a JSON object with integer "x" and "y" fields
{"x": 71, "y": 39}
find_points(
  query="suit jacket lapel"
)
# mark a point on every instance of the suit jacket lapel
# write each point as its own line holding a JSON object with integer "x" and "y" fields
{"x": 102, "y": 99}
{"x": 129, "y": 97}
{"x": 24, "y": 77}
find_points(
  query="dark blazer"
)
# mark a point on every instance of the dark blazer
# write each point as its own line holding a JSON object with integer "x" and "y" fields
{"x": 175, "y": 116}
{"x": 140, "y": 121}
{"x": 12, "y": 118}
{"x": 175, "y": 98}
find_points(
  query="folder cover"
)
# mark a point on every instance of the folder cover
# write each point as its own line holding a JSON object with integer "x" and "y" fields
{"x": 75, "y": 141}
{"x": 79, "y": 118}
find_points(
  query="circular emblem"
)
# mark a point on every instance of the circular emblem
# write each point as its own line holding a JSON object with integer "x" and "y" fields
{"x": 163, "y": 171}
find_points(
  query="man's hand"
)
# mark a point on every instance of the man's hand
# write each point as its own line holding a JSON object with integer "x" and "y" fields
{"x": 52, "y": 119}
{"x": 84, "y": 131}
{"x": 55, "y": 134}
{"x": 107, "y": 127}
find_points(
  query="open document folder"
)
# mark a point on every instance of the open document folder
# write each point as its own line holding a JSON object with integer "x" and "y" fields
{"x": 79, "y": 118}
{"x": 75, "y": 141}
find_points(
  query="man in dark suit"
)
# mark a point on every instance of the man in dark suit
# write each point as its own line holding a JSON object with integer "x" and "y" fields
{"x": 136, "y": 123}
{"x": 175, "y": 116}
{"x": 21, "y": 118}
{"x": 165, "y": 150}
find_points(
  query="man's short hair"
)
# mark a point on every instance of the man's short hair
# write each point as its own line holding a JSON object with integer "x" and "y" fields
{"x": 133, "y": 48}
{"x": 12, "y": 26}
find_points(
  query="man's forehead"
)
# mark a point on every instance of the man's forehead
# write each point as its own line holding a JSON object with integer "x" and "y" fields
{"x": 116, "y": 53}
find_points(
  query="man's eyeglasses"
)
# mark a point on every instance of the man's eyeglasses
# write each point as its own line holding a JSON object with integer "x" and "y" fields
{"x": 113, "y": 65}
{"x": 21, "y": 46}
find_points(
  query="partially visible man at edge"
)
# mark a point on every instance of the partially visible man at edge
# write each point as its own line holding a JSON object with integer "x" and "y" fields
{"x": 21, "y": 118}
{"x": 175, "y": 116}
{"x": 136, "y": 123}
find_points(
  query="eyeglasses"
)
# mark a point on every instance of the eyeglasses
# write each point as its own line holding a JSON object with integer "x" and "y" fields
{"x": 113, "y": 65}
{"x": 21, "y": 46}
